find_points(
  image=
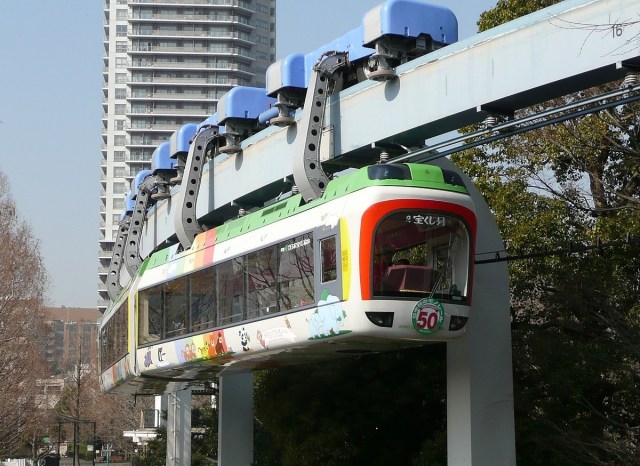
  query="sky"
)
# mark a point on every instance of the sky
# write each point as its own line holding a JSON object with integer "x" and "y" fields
{"x": 51, "y": 61}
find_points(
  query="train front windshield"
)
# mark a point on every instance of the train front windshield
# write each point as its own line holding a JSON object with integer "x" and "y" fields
{"x": 421, "y": 255}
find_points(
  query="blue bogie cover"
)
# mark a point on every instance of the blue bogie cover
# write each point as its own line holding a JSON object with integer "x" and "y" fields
{"x": 243, "y": 103}
{"x": 179, "y": 140}
{"x": 410, "y": 18}
{"x": 161, "y": 158}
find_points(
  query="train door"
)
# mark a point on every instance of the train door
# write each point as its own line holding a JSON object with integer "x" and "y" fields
{"x": 328, "y": 276}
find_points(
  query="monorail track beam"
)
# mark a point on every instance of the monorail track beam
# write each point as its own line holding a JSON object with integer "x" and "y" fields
{"x": 432, "y": 95}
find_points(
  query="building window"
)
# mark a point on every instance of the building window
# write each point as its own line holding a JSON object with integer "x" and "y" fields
{"x": 121, "y": 46}
{"x": 121, "y": 30}
{"x": 262, "y": 24}
{"x": 118, "y": 125}
{"x": 118, "y": 203}
{"x": 119, "y": 140}
{"x": 260, "y": 39}
{"x": 120, "y": 93}
{"x": 121, "y": 13}
{"x": 118, "y": 156}
{"x": 120, "y": 109}
{"x": 262, "y": 8}
{"x": 119, "y": 188}
{"x": 119, "y": 172}
{"x": 121, "y": 78}
{"x": 115, "y": 219}
{"x": 121, "y": 62}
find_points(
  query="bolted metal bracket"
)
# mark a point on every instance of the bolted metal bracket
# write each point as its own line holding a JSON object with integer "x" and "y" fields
{"x": 186, "y": 220}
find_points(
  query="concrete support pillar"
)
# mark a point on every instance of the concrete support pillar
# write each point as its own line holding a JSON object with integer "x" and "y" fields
{"x": 179, "y": 428}
{"x": 480, "y": 422}
{"x": 160, "y": 405}
{"x": 235, "y": 420}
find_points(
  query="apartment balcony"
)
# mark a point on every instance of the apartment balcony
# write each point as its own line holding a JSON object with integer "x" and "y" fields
{"x": 147, "y": 126}
{"x": 240, "y": 22}
{"x": 144, "y": 80}
{"x": 146, "y": 32}
{"x": 183, "y": 66}
{"x": 167, "y": 112}
{"x": 239, "y": 4}
{"x": 135, "y": 158}
{"x": 213, "y": 49}
{"x": 175, "y": 96}
{"x": 231, "y": 69}
{"x": 137, "y": 142}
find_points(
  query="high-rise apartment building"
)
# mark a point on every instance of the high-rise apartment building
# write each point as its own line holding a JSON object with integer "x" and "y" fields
{"x": 72, "y": 335}
{"x": 167, "y": 62}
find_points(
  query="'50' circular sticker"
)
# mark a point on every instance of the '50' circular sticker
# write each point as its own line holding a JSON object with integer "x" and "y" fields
{"x": 427, "y": 316}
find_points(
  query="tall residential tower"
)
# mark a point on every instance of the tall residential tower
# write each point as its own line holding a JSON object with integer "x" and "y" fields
{"x": 167, "y": 62}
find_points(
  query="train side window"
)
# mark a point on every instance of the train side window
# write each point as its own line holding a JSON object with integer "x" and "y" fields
{"x": 261, "y": 271}
{"x": 150, "y": 317}
{"x": 329, "y": 272}
{"x": 230, "y": 291}
{"x": 295, "y": 273}
{"x": 202, "y": 288}
{"x": 175, "y": 307}
{"x": 122, "y": 331}
{"x": 114, "y": 338}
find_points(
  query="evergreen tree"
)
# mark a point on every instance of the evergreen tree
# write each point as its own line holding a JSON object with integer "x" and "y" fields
{"x": 574, "y": 316}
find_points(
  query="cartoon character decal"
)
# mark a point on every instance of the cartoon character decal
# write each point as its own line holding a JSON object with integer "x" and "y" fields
{"x": 244, "y": 339}
{"x": 118, "y": 372}
{"x": 328, "y": 318}
{"x": 147, "y": 358}
{"x": 219, "y": 344}
{"x": 189, "y": 351}
{"x": 325, "y": 321}
{"x": 265, "y": 337}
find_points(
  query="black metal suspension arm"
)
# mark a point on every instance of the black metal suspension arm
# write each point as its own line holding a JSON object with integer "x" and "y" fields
{"x": 113, "y": 275}
{"x": 186, "y": 220}
{"x": 308, "y": 174}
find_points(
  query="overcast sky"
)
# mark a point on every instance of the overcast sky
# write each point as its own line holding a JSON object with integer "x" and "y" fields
{"x": 50, "y": 116}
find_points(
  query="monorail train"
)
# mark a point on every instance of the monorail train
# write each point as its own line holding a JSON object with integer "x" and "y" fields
{"x": 383, "y": 260}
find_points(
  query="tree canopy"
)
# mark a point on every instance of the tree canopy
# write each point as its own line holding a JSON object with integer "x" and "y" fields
{"x": 575, "y": 323}
{"x": 23, "y": 282}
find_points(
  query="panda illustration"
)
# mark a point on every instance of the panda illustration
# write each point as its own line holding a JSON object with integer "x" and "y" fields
{"x": 244, "y": 339}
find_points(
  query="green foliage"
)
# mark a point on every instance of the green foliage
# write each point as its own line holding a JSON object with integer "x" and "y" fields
{"x": 508, "y": 10}
{"x": 378, "y": 409}
{"x": 575, "y": 323}
{"x": 204, "y": 441}
{"x": 155, "y": 453}
{"x": 204, "y": 446}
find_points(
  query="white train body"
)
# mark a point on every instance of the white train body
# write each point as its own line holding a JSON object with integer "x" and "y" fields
{"x": 306, "y": 283}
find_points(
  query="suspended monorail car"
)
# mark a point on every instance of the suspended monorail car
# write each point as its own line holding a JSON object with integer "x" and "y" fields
{"x": 383, "y": 260}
